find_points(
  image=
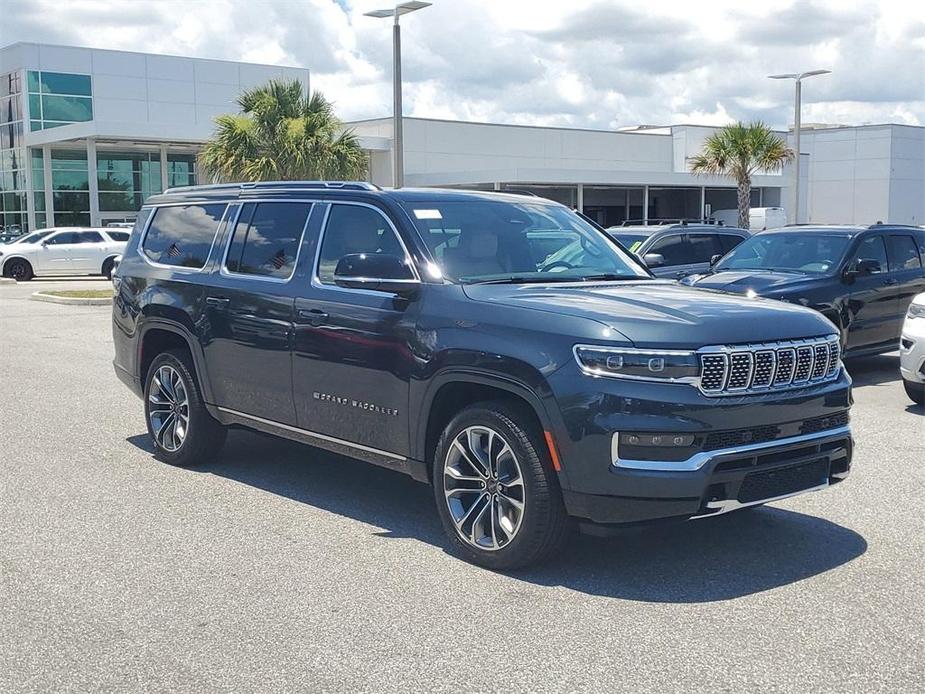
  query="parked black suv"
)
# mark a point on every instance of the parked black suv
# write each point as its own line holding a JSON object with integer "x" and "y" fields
{"x": 862, "y": 278}
{"x": 427, "y": 331}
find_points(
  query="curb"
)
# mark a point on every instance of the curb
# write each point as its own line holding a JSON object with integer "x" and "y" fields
{"x": 70, "y": 300}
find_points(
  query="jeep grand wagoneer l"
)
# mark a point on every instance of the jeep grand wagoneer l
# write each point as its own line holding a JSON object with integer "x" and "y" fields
{"x": 427, "y": 331}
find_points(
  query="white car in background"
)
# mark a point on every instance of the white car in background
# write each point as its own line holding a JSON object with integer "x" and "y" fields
{"x": 63, "y": 251}
{"x": 912, "y": 350}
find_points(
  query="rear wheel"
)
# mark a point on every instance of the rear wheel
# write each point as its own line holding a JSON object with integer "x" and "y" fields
{"x": 181, "y": 429}
{"x": 107, "y": 268}
{"x": 915, "y": 391}
{"x": 497, "y": 494}
{"x": 19, "y": 269}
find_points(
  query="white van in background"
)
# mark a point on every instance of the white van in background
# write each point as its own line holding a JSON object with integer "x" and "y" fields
{"x": 759, "y": 218}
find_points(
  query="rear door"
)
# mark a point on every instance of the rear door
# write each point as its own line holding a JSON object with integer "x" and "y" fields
{"x": 248, "y": 308}
{"x": 905, "y": 271}
{"x": 88, "y": 252}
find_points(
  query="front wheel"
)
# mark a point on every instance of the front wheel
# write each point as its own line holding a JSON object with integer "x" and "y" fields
{"x": 497, "y": 494}
{"x": 19, "y": 270}
{"x": 915, "y": 391}
{"x": 181, "y": 429}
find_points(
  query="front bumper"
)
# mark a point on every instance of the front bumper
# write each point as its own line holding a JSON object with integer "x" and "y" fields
{"x": 720, "y": 481}
{"x": 912, "y": 350}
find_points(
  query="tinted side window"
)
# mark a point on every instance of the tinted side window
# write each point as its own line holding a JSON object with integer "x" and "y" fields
{"x": 266, "y": 239}
{"x": 118, "y": 235}
{"x": 704, "y": 247}
{"x": 88, "y": 237}
{"x": 904, "y": 254}
{"x": 675, "y": 249}
{"x": 63, "y": 237}
{"x": 729, "y": 241}
{"x": 182, "y": 235}
{"x": 872, "y": 248}
{"x": 354, "y": 229}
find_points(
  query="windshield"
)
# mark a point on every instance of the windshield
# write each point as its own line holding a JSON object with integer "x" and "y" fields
{"x": 499, "y": 241}
{"x": 34, "y": 237}
{"x": 810, "y": 252}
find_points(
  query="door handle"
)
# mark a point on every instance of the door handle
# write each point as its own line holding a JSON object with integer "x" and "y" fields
{"x": 218, "y": 301}
{"x": 314, "y": 316}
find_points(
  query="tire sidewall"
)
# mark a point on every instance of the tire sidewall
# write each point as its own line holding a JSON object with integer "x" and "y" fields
{"x": 27, "y": 269}
{"x": 180, "y": 456}
{"x": 532, "y": 460}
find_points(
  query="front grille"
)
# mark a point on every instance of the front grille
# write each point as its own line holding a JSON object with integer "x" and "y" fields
{"x": 811, "y": 426}
{"x": 740, "y": 437}
{"x": 782, "y": 481}
{"x": 733, "y": 370}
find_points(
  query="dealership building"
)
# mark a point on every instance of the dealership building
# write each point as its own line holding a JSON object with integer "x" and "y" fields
{"x": 87, "y": 134}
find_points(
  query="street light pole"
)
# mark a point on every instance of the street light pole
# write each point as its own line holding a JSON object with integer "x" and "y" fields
{"x": 797, "y": 124}
{"x": 398, "y": 152}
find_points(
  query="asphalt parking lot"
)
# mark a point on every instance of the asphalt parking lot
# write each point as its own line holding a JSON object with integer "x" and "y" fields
{"x": 280, "y": 567}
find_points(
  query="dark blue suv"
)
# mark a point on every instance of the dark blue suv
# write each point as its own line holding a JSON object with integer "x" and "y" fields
{"x": 428, "y": 331}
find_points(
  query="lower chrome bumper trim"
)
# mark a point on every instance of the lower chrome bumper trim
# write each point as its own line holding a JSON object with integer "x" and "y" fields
{"x": 718, "y": 508}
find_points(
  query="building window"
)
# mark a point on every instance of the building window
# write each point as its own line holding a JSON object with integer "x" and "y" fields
{"x": 70, "y": 187}
{"x": 14, "y": 166}
{"x": 125, "y": 179}
{"x": 57, "y": 98}
{"x": 181, "y": 170}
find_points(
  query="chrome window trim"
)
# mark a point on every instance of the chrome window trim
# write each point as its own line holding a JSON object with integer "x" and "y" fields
{"x": 313, "y": 434}
{"x": 316, "y": 280}
{"x": 698, "y": 460}
{"x": 181, "y": 268}
{"x": 225, "y": 272}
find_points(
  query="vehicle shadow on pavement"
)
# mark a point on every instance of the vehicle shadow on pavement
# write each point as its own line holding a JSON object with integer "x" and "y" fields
{"x": 700, "y": 561}
{"x": 874, "y": 371}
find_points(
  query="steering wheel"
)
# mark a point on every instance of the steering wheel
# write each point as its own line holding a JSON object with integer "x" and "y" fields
{"x": 560, "y": 264}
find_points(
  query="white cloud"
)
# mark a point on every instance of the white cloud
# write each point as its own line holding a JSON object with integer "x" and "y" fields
{"x": 588, "y": 63}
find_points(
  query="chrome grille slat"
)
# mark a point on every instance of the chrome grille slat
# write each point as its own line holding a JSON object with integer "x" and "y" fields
{"x": 743, "y": 369}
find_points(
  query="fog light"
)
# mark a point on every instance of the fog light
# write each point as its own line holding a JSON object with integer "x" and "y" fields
{"x": 637, "y": 439}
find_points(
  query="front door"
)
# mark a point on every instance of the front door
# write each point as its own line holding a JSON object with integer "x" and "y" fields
{"x": 907, "y": 273}
{"x": 872, "y": 304}
{"x": 55, "y": 257}
{"x": 248, "y": 306}
{"x": 678, "y": 254}
{"x": 351, "y": 359}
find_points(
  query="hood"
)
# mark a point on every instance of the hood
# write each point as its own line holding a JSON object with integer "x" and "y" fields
{"x": 656, "y": 313}
{"x": 762, "y": 282}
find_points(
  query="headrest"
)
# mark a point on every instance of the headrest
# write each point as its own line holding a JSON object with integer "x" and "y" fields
{"x": 481, "y": 244}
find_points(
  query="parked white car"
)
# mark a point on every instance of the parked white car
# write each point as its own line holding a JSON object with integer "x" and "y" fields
{"x": 912, "y": 350}
{"x": 63, "y": 251}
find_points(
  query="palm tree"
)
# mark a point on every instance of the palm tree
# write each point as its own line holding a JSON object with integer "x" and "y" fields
{"x": 282, "y": 135}
{"x": 738, "y": 151}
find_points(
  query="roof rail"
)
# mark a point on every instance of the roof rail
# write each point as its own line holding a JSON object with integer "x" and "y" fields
{"x": 264, "y": 185}
{"x": 517, "y": 191}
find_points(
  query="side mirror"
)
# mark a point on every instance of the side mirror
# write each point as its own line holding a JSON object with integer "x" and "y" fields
{"x": 862, "y": 268}
{"x": 715, "y": 259}
{"x": 653, "y": 259}
{"x": 44, "y": 242}
{"x": 376, "y": 271}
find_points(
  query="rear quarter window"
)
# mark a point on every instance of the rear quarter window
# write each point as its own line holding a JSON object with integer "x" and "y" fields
{"x": 182, "y": 235}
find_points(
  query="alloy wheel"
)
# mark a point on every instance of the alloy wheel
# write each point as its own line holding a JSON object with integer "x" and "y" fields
{"x": 484, "y": 488}
{"x": 168, "y": 408}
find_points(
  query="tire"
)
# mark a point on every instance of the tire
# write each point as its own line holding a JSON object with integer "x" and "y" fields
{"x": 18, "y": 269}
{"x": 478, "y": 509}
{"x": 168, "y": 384}
{"x": 107, "y": 268}
{"x": 915, "y": 391}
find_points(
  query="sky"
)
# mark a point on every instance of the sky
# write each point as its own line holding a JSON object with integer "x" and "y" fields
{"x": 578, "y": 63}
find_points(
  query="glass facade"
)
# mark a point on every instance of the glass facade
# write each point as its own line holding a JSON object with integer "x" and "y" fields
{"x": 125, "y": 179}
{"x": 181, "y": 170}
{"x": 14, "y": 183}
{"x": 57, "y": 98}
{"x": 70, "y": 187}
{"x": 38, "y": 189}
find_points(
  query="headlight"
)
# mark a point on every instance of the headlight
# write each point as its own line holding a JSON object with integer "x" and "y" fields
{"x": 916, "y": 311}
{"x": 640, "y": 364}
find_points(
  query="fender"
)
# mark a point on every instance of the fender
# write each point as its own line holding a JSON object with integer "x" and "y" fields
{"x": 550, "y": 421}
{"x": 7, "y": 258}
{"x": 195, "y": 349}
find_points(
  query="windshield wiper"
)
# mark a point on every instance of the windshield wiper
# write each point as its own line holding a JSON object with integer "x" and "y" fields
{"x": 517, "y": 279}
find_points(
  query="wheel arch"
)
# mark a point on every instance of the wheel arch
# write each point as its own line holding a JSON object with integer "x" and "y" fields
{"x": 160, "y": 334}
{"x": 455, "y": 389}
{"x": 6, "y": 259}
